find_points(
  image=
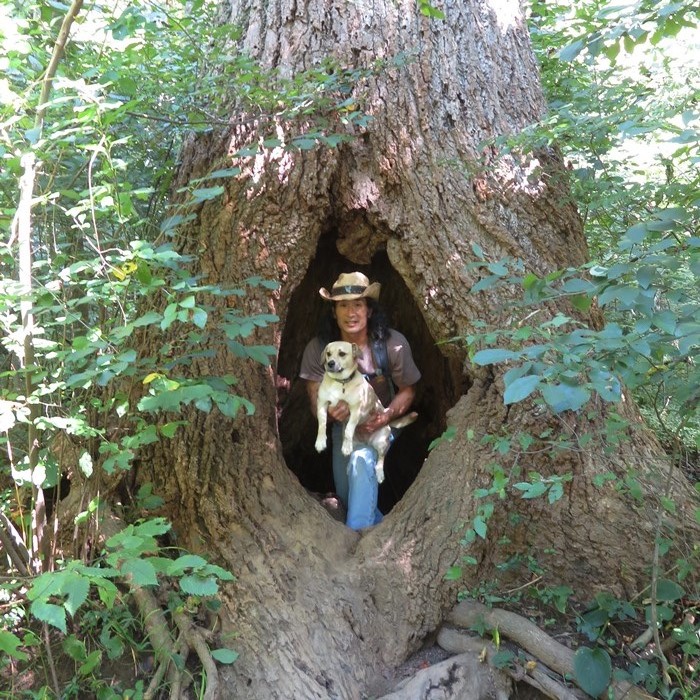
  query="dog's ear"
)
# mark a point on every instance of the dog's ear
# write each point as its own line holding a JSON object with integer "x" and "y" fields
{"x": 356, "y": 352}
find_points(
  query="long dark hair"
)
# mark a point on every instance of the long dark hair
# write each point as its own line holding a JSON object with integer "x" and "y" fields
{"x": 377, "y": 324}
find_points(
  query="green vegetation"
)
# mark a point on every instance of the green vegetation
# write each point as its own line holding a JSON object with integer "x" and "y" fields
{"x": 90, "y": 134}
{"x": 622, "y": 83}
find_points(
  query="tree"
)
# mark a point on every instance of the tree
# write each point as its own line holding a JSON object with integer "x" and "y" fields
{"x": 415, "y": 190}
{"x": 413, "y": 197}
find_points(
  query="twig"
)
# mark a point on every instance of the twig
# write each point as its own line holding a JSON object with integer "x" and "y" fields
{"x": 175, "y": 676}
{"x": 525, "y": 585}
{"x": 52, "y": 666}
{"x": 58, "y": 49}
{"x": 14, "y": 545}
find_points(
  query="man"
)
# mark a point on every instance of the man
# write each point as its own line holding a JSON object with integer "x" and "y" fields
{"x": 386, "y": 360}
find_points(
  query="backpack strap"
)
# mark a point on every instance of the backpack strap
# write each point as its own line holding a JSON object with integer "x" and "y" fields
{"x": 382, "y": 374}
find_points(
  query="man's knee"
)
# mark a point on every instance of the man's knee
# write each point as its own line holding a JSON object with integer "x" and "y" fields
{"x": 362, "y": 461}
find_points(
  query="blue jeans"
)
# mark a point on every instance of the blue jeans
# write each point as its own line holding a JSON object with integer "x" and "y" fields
{"x": 356, "y": 482}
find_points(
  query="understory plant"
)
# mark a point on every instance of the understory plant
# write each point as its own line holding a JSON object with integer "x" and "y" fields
{"x": 96, "y": 104}
{"x": 632, "y": 152}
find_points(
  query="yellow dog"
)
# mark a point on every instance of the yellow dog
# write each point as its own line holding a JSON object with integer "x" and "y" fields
{"x": 342, "y": 381}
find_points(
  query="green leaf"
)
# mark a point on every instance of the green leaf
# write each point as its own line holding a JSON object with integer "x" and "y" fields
{"x": 489, "y": 357}
{"x": 668, "y": 591}
{"x": 186, "y": 561}
{"x": 592, "y": 670}
{"x": 531, "y": 491}
{"x": 637, "y": 233}
{"x": 199, "y": 317}
{"x": 564, "y": 397}
{"x": 107, "y": 592}
{"x": 54, "y": 615}
{"x": 76, "y": 588}
{"x": 226, "y": 172}
{"x": 520, "y": 389}
{"x": 85, "y": 464}
{"x": 111, "y": 643}
{"x": 497, "y": 268}
{"x": 581, "y": 302}
{"x": 486, "y": 283}
{"x": 569, "y": 53}
{"x": 503, "y": 658}
{"x": 555, "y": 492}
{"x": 480, "y": 527}
{"x": 207, "y": 193}
{"x": 224, "y": 656}
{"x": 304, "y": 144}
{"x": 578, "y": 286}
{"x": 199, "y": 585}
{"x": 172, "y": 222}
{"x": 169, "y": 429}
{"x": 454, "y": 573}
{"x": 93, "y": 661}
{"x": 665, "y": 321}
{"x": 153, "y": 527}
{"x": 75, "y": 648}
{"x": 10, "y": 643}
{"x": 142, "y": 571}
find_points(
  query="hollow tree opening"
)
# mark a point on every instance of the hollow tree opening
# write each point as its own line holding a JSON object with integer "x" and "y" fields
{"x": 435, "y": 394}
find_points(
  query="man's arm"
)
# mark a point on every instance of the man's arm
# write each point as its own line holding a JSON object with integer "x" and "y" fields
{"x": 398, "y": 406}
{"x": 312, "y": 393}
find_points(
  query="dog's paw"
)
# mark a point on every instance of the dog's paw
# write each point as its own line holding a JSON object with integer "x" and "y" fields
{"x": 320, "y": 444}
{"x": 379, "y": 471}
{"x": 346, "y": 449}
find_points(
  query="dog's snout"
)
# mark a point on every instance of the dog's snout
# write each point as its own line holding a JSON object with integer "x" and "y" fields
{"x": 331, "y": 363}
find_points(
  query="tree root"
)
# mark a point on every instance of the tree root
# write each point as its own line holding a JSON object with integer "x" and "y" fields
{"x": 551, "y": 654}
{"x": 532, "y": 673}
{"x": 195, "y": 640}
{"x": 166, "y": 647}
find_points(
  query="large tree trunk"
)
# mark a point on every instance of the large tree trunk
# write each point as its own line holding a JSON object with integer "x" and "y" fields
{"x": 318, "y": 610}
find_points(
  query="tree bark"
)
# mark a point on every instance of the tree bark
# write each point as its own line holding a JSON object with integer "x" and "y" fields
{"x": 318, "y": 610}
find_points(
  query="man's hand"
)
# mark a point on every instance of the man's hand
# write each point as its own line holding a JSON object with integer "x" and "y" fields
{"x": 377, "y": 420}
{"x": 339, "y": 412}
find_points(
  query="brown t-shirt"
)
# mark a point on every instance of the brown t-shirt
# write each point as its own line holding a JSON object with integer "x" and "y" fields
{"x": 402, "y": 368}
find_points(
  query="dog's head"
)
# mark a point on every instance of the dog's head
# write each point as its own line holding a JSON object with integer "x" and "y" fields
{"x": 340, "y": 359}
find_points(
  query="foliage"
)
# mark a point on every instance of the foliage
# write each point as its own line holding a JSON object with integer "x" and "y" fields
{"x": 623, "y": 110}
{"x": 105, "y": 131}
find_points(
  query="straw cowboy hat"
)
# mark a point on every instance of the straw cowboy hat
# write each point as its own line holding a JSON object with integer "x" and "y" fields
{"x": 351, "y": 285}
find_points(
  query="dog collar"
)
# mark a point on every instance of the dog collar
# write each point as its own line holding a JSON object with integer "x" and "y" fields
{"x": 346, "y": 380}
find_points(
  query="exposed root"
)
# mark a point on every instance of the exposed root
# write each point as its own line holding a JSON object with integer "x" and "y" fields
{"x": 532, "y": 673}
{"x": 550, "y": 653}
{"x": 165, "y": 647}
{"x": 195, "y": 640}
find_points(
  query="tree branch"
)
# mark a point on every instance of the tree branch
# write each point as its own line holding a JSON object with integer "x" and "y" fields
{"x": 14, "y": 545}
{"x": 58, "y": 49}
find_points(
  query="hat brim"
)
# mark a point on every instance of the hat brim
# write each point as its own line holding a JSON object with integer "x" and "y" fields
{"x": 371, "y": 292}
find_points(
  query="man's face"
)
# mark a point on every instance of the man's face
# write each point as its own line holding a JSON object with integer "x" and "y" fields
{"x": 352, "y": 316}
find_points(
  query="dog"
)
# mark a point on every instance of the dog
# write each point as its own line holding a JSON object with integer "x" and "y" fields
{"x": 342, "y": 381}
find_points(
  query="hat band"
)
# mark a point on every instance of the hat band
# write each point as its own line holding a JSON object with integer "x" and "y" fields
{"x": 348, "y": 289}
